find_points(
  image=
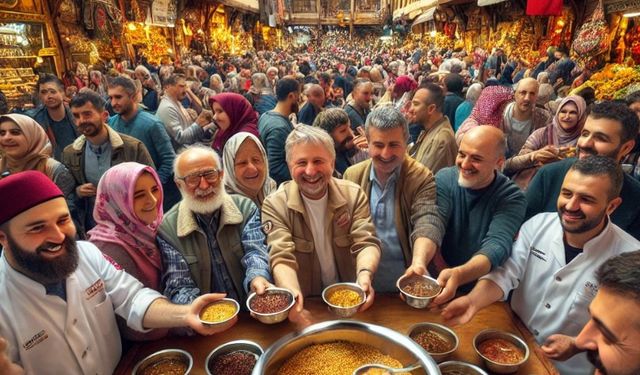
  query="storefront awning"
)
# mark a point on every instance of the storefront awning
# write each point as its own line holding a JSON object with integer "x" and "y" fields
{"x": 424, "y": 17}
{"x": 247, "y": 5}
{"x": 484, "y": 3}
{"x": 414, "y": 9}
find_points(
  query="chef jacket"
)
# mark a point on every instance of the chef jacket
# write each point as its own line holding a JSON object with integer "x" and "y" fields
{"x": 47, "y": 335}
{"x": 549, "y": 295}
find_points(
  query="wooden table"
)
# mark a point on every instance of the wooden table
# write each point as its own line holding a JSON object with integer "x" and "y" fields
{"x": 387, "y": 310}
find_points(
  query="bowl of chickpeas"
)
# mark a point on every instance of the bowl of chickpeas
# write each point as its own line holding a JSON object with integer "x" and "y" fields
{"x": 344, "y": 299}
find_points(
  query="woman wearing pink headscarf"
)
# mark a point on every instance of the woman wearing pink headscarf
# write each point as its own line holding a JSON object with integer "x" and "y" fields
{"x": 488, "y": 109}
{"x": 232, "y": 114}
{"x": 551, "y": 143}
{"x": 128, "y": 212}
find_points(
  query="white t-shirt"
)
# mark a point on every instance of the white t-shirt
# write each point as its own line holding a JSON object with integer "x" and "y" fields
{"x": 317, "y": 210}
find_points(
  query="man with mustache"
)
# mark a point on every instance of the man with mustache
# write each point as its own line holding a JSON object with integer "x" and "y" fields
{"x": 274, "y": 126}
{"x": 217, "y": 234}
{"x": 318, "y": 227}
{"x": 610, "y": 130}
{"x": 402, "y": 196}
{"x": 53, "y": 115}
{"x": 97, "y": 149}
{"x": 522, "y": 117}
{"x": 349, "y": 149}
{"x": 551, "y": 270}
{"x": 60, "y": 296}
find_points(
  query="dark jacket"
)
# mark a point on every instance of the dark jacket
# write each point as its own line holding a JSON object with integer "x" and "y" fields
{"x": 41, "y": 116}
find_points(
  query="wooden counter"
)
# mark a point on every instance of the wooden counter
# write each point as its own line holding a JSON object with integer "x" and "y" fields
{"x": 387, "y": 310}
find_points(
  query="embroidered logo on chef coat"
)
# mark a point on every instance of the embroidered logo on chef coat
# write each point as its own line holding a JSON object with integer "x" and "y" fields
{"x": 538, "y": 253}
{"x": 343, "y": 219}
{"x": 590, "y": 288}
{"x": 35, "y": 340}
{"x": 94, "y": 289}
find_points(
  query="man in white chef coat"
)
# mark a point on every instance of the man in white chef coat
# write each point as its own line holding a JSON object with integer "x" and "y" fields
{"x": 552, "y": 266}
{"x": 59, "y": 297}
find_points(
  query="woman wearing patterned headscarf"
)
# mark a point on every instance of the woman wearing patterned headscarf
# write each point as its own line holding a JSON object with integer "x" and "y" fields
{"x": 488, "y": 109}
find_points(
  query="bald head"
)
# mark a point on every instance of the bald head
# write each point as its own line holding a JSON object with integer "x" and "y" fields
{"x": 526, "y": 95}
{"x": 315, "y": 95}
{"x": 480, "y": 154}
{"x": 195, "y": 158}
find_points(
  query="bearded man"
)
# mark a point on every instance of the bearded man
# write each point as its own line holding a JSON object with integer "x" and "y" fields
{"x": 350, "y": 149}
{"x": 60, "y": 297}
{"x": 217, "y": 234}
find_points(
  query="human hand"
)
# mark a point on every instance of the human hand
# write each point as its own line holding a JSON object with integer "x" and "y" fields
{"x": 360, "y": 141}
{"x": 560, "y": 347}
{"x": 449, "y": 280}
{"x": 6, "y": 366}
{"x": 459, "y": 311}
{"x": 365, "y": 281}
{"x": 204, "y": 118}
{"x": 193, "y": 317}
{"x": 546, "y": 155}
{"x": 259, "y": 284}
{"x": 86, "y": 190}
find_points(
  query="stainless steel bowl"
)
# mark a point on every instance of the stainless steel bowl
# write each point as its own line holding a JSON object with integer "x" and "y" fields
{"x": 276, "y": 317}
{"x": 384, "y": 339}
{"x": 441, "y": 330}
{"x": 222, "y": 322}
{"x": 343, "y": 312}
{"x": 232, "y": 346}
{"x": 415, "y": 301}
{"x": 460, "y": 368}
{"x": 501, "y": 368}
{"x": 161, "y": 356}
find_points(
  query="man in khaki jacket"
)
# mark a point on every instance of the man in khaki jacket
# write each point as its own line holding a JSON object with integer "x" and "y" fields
{"x": 402, "y": 196}
{"x": 436, "y": 145}
{"x": 318, "y": 227}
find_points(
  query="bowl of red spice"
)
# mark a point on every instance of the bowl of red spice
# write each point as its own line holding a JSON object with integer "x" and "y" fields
{"x": 437, "y": 340}
{"x": 233, "y": 358}
{"x": 344, "y": 299}
{"x": 502, "y": 352}
{"x": 418, "y": 290}
{"x": 272, "y": 306}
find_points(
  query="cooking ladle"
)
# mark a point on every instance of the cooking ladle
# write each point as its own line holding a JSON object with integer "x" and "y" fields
{"x": 364, "y": 369}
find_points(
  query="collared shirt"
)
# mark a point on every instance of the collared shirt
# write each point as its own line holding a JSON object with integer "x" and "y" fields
{"x": 382, "y": 204}
{"x": 97, "y": 159}
{"x": 48, "y": 335}
{"x": 220, "y": 278}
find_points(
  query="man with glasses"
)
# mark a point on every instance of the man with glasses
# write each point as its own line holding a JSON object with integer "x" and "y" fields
{"x": 218, "y": 236}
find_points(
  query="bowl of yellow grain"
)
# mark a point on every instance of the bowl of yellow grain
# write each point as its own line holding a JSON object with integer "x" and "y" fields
{"x": 219, "y": 312}
{"x": 344, "y": 299}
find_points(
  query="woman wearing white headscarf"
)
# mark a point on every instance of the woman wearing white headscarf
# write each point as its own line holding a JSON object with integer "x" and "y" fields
{"x": 246, "y": 168}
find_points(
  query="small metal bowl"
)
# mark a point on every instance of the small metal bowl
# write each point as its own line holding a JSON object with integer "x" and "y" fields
{"x": 222, "y": 322}
{"x": 275, "y": 317}
{"x": 155, "y": 359}
{"x": 415, "y": 301}
{"x": 233, "y": 346}
{"x": 443, "y": 331}
{"x": 501, "y": 368}
{"x": 343, "y": 312}
{"x": 460, "y": 368}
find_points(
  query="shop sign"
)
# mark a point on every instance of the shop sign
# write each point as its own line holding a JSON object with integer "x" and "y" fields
{"x": 163, "y": 13}
{"x": 49, "y": 51}
{"x": 614, "y": 6}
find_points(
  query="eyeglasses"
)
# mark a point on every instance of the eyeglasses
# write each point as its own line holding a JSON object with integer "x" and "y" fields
{"x": 193, "y": 180}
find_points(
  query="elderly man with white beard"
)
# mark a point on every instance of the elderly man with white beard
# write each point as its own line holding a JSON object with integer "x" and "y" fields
{"x": 219, "y": 237}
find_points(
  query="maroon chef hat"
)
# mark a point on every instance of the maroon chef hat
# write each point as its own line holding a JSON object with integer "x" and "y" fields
{"x": 24, "y": 190}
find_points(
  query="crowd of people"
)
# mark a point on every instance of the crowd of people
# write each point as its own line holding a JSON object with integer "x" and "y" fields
{"x": 134, "y": 195}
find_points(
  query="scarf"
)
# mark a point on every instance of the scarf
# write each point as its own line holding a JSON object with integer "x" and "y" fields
{"x": 490, "y": 105}
{"x": 229, "y": 160}
{"x": 38, "y": 146}
{"x": 242, "y": 117}
{"x": 117, "y": 223}
{"x": 562, "y": 137}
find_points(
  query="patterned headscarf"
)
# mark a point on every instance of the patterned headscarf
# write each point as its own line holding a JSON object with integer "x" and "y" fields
{"x": 490, "y": 105}
{"x": 38, "y": 145}
{"x": 560, "y": 136}
{"x": 117, "y": 222}
{"x": 242, "y": 117}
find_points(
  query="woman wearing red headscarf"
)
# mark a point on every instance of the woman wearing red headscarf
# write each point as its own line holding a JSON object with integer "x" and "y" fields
{"x": 488, "y": 109}
{"x": 233, "y": 114}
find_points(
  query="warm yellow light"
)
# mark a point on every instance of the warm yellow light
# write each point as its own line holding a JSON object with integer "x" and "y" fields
{"x": 169, "y": 50}
{"x": 561, "y": 23}
{"x": 132, "y": 26}
{"x": 432, "y": 33}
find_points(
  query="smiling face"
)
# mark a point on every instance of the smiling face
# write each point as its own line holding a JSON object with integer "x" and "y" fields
{"x": 603, "y": 137}
{"x": 343, "y": 137}
{"x": 477, "y": 161}
{"x": 13, "y": 142}
{"x": 612, "y": 336}
{"x": 220, "y": 117}
{"x": 311, "y": 166}
{"x": 568, "y": 116}
{"x": 146, "y": 196}
{"x": 88, "y": 119}
{"x": 40, "y": 243}
{"x": 387, "y": 149}
{"x": 249, "y": 168}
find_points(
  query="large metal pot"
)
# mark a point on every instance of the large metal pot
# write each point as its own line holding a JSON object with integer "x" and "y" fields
{"x": 386, "y": 340}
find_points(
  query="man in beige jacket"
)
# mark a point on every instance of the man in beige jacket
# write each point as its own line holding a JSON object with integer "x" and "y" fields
{"x": 436, "y": 145}
{"x": 318, "y": 227}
